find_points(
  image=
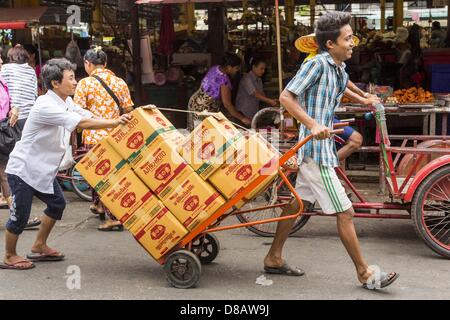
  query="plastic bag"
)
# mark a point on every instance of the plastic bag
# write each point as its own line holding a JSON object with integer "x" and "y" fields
{"x": 73, "y": 53}
{"x": 67, "y": 161}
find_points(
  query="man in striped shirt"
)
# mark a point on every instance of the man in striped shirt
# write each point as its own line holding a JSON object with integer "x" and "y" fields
{"x": 312, "y": 97}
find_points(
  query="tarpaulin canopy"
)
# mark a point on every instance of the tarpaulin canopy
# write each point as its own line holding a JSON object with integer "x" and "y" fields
{"x": 18, "y": 18}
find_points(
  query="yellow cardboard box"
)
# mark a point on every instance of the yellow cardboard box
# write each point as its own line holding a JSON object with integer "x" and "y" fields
{"x": 193, "y": 201}
{"x": 252, "y": 159}
{"x": 162, "y": 169}
{"x": 209, "y": 145}
{"x": 147, "y": 126}
{"x": 102, "y": 167}
{"x": 139, "y": 220}
{"x": 128, "y": 196}
{"x": 161, "y": 234}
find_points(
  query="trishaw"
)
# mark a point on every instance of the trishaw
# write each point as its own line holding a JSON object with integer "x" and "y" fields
{"x": 420, "y": 193}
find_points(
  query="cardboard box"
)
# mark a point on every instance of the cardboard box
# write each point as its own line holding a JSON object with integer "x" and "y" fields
{"x": 128, "y": 196}
{"x": 102, "y": 167}
{"x": 252, "y": 159}
{"x": 162, "y": 169}
{"x": 193, "y": 201}
{"x": 147, "y": 126}
{"x": 209, "y": 145}
{"x": 161, "y": 234}
{"x": 140, "y": 219}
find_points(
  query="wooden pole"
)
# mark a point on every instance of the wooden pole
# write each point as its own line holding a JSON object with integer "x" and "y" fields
{"x": 383, "y": 15}
{"x": 245, "y": 11}
{"x": 190, "y": 11}
{"x": 398, "y": 14}
{"x": 312, "y": 5}
{"x": 136, "y": 45}
{"x": 289, "y": 9}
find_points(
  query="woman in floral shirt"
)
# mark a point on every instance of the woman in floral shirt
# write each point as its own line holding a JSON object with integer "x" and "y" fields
{"x": 91, "y": 95}
{"x": 215, "y": 91}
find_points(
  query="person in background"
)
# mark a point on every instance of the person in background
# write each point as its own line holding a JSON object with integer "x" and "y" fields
{"x": 33, "y": 61}
{"x": 5, "y": 112}
{"x": 215, "y": 91}
{"x": 91, "y": 95}
{"x": 34, "y": 162}
{"x": 251, "y": 91}
{"x": 438, "y": 37}
{"x": 22, "y": 84}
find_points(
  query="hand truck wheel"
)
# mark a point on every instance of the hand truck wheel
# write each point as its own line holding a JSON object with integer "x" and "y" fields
{"x": 206, "y": 247}
{"x": 183, "y": 269}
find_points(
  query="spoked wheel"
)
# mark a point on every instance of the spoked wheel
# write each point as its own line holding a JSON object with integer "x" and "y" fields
{"x": 431, "y": 211}
{"x": 206, "y": 248}
{"x": 79, "y": 185}
{"x": 183, "y": 269}
{"x": 269, "y": 197}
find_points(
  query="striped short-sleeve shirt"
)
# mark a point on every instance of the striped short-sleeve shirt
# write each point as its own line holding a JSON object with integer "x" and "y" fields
{"x": 319, "y": 86}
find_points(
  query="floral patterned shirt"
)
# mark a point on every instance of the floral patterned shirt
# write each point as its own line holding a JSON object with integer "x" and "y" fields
{"x": 213, "y": 80}
{"x": 91, "y": 95}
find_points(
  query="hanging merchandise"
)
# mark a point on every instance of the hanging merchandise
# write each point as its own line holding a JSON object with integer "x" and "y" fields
{"x": 73, "y": 53}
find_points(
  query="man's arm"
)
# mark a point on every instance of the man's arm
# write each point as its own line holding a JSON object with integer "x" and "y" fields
{"x": 93, "y": 123}
{"x": 289, "y": 101}
{"x": 356, "y": 94}
{"x": 262, "y": 97}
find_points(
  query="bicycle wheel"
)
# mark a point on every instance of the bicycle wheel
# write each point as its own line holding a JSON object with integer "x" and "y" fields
{"x": 80, "y": 186}
{"x": 431, "y": 211}
{"x": 269, "y": 197}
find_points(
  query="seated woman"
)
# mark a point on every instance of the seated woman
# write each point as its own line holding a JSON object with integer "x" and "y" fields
{"x": 215, "y": 91}
{"x": 251, "y": 92}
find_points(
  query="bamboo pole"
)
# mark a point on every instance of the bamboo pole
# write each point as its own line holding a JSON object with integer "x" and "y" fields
{"x": 280, "y": 69}
{"x": 383, "y": 15}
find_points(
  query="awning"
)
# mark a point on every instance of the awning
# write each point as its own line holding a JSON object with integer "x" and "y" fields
{"x": 13, "y": 25}
{"x": 180, "y": 1}
{"x": 18, "y": 18}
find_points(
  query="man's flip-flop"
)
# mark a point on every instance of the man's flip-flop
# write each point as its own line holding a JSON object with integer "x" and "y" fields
{"x": 15, "y": 265}
{"x": 115, "y": 227}
{"x": 385, "y": 280}
{"x": 285, "y": 269}
{"x": 39, "y": 256}
{"x": 32, "y": 223}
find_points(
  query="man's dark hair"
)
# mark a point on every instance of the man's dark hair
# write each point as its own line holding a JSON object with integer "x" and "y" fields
{"x": 436, "y": 25}
{"x": 328, "y": 27}
{"x": 32, "y": 49}
{"x": 231, "y": 59}
{"x": 18, "y": 54}
{"x": 256, "y": 61}
{"x": 53, "y": 70}
{"x": 96, "y": 56}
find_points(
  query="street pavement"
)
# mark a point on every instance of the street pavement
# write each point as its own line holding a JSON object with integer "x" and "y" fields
{"x": 112, "y": 265}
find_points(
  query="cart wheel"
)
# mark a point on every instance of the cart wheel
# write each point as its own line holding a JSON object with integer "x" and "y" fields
{"x": 431, "y": 211}
{"x": 79, "y": 185}
{"x": 269, "y": 229}
{"x": 206, "y": 248}
{"x": 183, "y": 269}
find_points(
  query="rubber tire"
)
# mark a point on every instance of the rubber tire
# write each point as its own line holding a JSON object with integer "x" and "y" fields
{"x": 82, "y": 194}
{"x": 300, "y": 223}
{"x": 416, "y": 209}
{"x": 192, "y": 262}
{"x": 211, "y": 240}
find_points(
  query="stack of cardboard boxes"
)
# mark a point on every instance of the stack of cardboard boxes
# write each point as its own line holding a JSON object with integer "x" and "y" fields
{"x": 160, "y": 184}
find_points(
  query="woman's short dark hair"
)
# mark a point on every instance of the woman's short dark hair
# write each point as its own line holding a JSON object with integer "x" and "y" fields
{"x": 32, "y": 49}
{"x": 53, "y": 70}
{"x": 328, "y": 27}
{"x": 96, "y": 56}
{"x": 231, "y": 59}
{"x": 18, "y": 54}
